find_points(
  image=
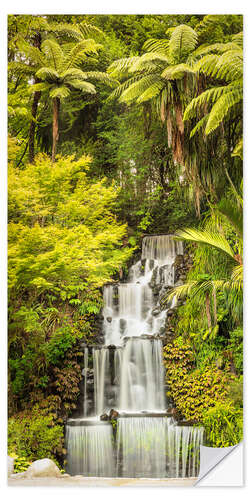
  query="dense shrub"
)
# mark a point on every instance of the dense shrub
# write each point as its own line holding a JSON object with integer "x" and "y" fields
{"x": 204, "y": 395}
{"x": 33, "y": 436}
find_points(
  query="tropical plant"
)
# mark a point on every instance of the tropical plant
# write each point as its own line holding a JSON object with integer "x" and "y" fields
{"x": 221, "y": 62}
{"x": 214, "y": 237}
{"x": 58, "y": 70}
{"x": 164, "y": 73}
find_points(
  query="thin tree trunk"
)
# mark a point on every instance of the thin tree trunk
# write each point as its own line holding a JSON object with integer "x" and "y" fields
{"x": 36, "y": 100}
{"x": 215, "y": 306}
{"x": 55, "y": 131}
{"x": 208, "y": 311}
{"x": 37, "y": 40}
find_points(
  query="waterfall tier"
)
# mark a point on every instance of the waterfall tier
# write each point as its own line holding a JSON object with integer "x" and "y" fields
{"x": 129, "y": 377}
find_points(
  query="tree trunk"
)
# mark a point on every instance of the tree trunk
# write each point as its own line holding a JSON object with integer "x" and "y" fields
{"x": 55, "y": 132}
{"x": 209, "y": 322}
{"x": 36, "y": 100}
{"x": 215, "y": 306}
{"x": 36, "y": 43}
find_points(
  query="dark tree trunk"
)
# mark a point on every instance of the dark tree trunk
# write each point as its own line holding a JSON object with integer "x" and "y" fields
{"x": 55, "y": 130}
{"x": 32, "y": 130}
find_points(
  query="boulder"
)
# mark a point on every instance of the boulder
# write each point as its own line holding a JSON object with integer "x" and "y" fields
{"x": 10, "y": 466}
{"x": 43, "y": 468}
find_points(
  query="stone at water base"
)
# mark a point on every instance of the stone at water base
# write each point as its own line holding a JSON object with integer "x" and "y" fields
{"x": 40, "y": 468}
{"x": 10, "y": 466}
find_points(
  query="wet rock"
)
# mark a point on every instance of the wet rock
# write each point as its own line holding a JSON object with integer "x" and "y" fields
{"x": 104, "y": 417}
{"x": 113, "y": 414}
{"x": 156, "y": 311}
{"x": 109, "y": 319}
{"x": 170, "y": 312}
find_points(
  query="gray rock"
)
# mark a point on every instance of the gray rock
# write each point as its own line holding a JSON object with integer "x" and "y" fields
{"x": 43, "y": 468}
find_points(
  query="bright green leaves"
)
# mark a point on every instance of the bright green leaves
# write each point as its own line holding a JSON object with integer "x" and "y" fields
{"x": 62, "y": 230}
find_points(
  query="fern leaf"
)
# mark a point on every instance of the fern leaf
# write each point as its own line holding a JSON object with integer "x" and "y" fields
{"x": 222, "y": 107}
{"x": 182, "y": 41}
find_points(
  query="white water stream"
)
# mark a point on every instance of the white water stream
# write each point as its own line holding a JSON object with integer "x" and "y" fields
{"x": 129, "y": 377}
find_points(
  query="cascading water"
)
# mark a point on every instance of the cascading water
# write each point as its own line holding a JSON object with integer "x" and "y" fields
{"x": 129, "y": 377}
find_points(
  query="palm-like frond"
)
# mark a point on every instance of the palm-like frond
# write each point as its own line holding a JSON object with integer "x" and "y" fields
{"x": 83, "y": 86}
{"x": 209, "y": 96}
{"x": 238, "y": 150}
{"x": 221, "y": 108}
{"x": 102, "y": 77}
{"x": 32, "y": 53}
{"x": 199, "y": 125}
{"x": 159, "y": 46}
{"x": 233, "y": 214}
{"x": 135, "y": 90}
{"x": 47, "y": 73}
{"x": 53, "y": 54}
{"x": 60, "y": 92}
{"x": 176, "y": 72}
{"x": 122, "y": 66}
{"x": 182, "y": 41}
{"x": 214, "y": 239}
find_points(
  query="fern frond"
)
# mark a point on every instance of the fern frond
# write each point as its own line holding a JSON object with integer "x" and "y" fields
{"x": 176, "y": 72}
{"x": 198, "y": 126}
{"x": 182, "y": 41}
{"x": 33, "y": 53}
{"x": 122, "y": 66}
{"x": 238, "y": 39}
{"x": 147, "y": 58}
{"x": 83, "y": 86}
{"x": 53, "y": 53}
{"x": 123, "y": 86}
{"x": 159, "y": 46}
{"x": 102, "y": 77}
{"x": 38, "y": 87}
{"x": 153, "y": 91}
{"x": 238, "y": 150}
{"x": 222, "y": 107}
{"x": 47, "y": 73}
{"x": 207, "y": 97}
{"x": 78, "y": 53}
{"x": 135, "y": 90}
{"x": 60, "y": 92}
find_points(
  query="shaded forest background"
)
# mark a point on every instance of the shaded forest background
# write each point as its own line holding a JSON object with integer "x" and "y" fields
{"x": 120, "y": 126}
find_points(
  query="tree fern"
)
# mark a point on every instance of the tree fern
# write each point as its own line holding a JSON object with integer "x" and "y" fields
{"x": 182, "y": 41}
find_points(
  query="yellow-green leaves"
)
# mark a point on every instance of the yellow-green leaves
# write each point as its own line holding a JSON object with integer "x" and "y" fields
{"x": 62, "y": 230}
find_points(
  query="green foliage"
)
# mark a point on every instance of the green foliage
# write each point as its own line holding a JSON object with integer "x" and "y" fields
{"x": 193, "y": 390}
{"x": 21, "y": 464}
{"x": 224, "y": 425}
{"x": 34, "y": 436}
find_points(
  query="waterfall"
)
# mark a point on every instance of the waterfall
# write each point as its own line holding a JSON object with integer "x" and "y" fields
{"x": 141, "y": 447}
{"x": 129, "y": 377}
{"x": 142, "y": 377}
{"x": 90, "y": 450}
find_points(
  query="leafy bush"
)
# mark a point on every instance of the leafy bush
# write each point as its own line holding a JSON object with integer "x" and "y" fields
{"x": 223, "y": 424}
{"x": 33, "y": 436}
{"x": 21, "y": 464}
{"x": 193, "y": 390}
